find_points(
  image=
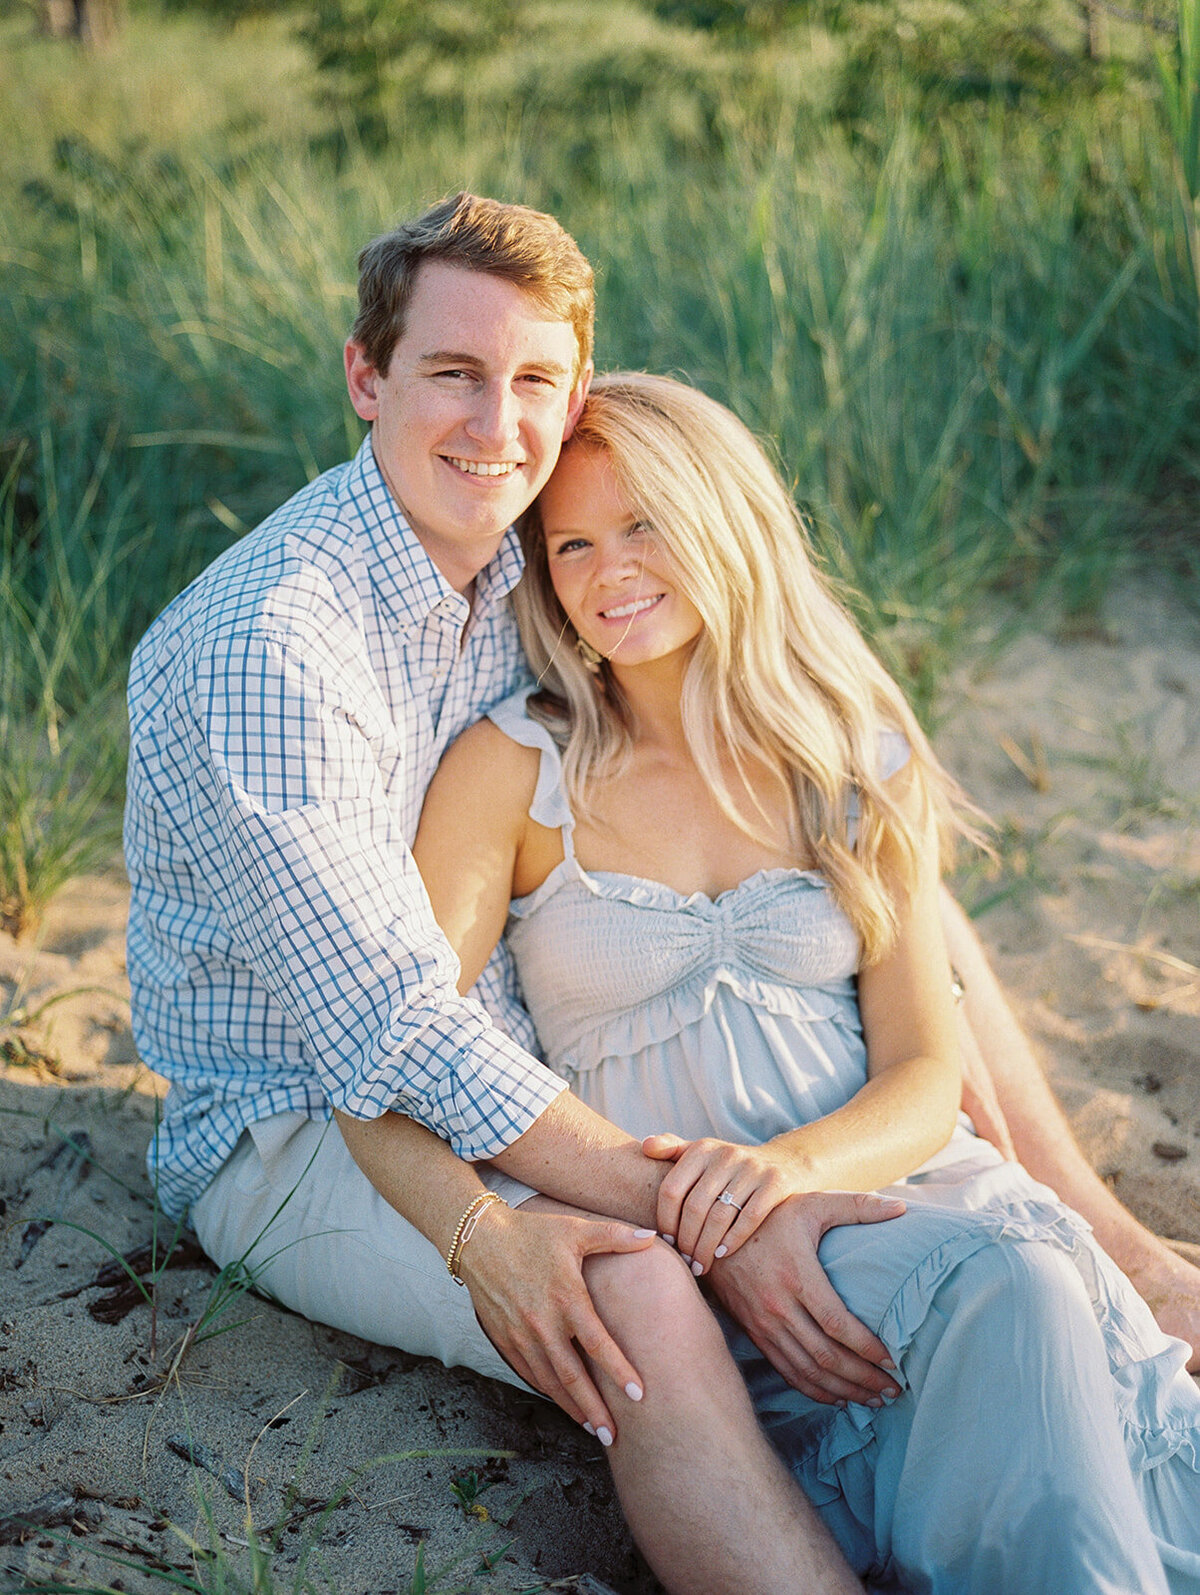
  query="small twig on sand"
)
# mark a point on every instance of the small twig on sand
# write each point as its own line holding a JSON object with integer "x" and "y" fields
{"x": 1033, "y": 768}
{"x": 1168, "y": 960}
{"x": 270, "y": 1424}
{"x": 58, "y": 1509}
{"x": 203, "y": 1456}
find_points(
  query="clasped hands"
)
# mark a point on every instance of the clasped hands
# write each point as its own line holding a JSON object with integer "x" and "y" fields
{"x": 526, "y": 1275}
{"x": 759, "y": 1251}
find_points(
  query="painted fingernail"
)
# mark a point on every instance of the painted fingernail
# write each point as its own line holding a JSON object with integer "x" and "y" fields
{"x": 685, "y": 1257}
{"x": 888, "y": 1363}
{"x": 604, "y": 1436}
{"x": 890, "y": 1395}
{"x": 670, "y": 1239}
{"x": 697, "y": 1269}
{"x": 589, "y": 1429}
{"x": 875, "y": 1401}
{"x": 643, "y": 1234}
{"x": 721, "y": 1251}
{"x": 634, "y": 1392}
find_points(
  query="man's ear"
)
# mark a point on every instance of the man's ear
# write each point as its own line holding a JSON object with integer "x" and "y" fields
{"x": 362, "y": 380}
{"x": 578, "y": 396}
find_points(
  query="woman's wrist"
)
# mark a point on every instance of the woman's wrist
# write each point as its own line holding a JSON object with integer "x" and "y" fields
{"x": 477, "y": 1247}
{"x": 465, "y": 1228}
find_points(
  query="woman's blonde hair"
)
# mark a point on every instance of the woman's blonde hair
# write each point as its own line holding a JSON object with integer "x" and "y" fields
{"x": 779, "y": 676}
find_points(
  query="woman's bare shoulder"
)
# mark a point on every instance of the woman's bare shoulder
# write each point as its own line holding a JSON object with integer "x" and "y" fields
{"x": 485, "y": 762}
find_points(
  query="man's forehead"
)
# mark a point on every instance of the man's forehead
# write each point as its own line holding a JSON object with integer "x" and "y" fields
{"x": 455, "y": 313}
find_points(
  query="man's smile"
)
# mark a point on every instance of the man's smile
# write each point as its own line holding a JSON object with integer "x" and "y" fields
{"x": 483, "y": 467}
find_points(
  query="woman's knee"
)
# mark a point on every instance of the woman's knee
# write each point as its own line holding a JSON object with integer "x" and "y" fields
{"x": 1028, "y": 1294}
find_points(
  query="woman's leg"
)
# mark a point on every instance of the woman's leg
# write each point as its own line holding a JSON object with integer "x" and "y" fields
{"x": 1005, "y": 1458}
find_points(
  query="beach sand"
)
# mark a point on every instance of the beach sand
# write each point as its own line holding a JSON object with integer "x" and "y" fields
{"x": 1086, "y": 750}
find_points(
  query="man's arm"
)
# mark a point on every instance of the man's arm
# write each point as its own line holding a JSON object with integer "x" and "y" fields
{"x": 301, "y": 843}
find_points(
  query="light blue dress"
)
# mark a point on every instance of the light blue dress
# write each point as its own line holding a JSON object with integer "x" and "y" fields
{"x": 1047, "y": 1440}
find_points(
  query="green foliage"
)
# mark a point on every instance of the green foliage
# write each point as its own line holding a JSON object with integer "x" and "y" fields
{"x": 749, "y": 18}
{"x": 970, "y": 330}
{"x": 388, "y": 68}
{"x": 1179, "y": 73}
{"x": 61, "y": 711}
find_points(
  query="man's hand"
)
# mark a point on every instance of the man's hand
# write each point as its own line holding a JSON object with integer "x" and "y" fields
{"x": 777, "y": 1290}
{"x": 524, "y": 1269}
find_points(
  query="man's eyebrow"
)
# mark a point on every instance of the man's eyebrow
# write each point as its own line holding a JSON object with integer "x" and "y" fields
{"x": 458, "y": 357}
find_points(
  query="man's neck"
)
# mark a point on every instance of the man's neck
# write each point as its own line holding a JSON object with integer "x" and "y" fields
{"x": 459, "y": 569}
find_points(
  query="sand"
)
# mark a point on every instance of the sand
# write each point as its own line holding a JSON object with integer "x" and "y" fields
{"x": 1085, "y": 748}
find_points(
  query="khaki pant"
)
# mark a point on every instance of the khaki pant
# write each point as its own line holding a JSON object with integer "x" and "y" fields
{"x": 293, "y": 1204}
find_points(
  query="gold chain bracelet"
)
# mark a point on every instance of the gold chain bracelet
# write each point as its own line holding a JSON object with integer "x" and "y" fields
{"x": 465, "y": 1229}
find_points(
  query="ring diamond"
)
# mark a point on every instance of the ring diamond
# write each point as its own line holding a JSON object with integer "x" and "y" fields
{"x": 726, "y": 1199}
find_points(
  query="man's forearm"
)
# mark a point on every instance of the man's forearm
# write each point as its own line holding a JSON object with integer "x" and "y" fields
{"x": 576, "y": 1156}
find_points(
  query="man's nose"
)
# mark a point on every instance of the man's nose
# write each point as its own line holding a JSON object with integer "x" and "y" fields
{"x": 495, "y": 416}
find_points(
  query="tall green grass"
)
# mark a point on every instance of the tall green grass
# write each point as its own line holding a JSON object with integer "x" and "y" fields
{"x": 971, "y": 335}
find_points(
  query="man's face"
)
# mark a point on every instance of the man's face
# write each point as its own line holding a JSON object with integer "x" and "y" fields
{"x": 468, "y": 421}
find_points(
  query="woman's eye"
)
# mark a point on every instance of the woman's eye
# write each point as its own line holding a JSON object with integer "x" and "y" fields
{"x": 568, "y": 546}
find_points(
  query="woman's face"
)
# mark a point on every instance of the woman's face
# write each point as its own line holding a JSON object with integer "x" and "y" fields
{"x": 615, "y": 583}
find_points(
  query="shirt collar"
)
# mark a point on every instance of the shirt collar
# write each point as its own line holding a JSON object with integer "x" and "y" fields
{"x": 409, "y": 584}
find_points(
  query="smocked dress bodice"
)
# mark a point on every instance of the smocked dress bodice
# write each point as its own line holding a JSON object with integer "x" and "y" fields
{"x": 733, "y": 1016}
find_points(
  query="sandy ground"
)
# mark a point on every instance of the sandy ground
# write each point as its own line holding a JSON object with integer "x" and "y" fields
{"x": 1087, "y": 752}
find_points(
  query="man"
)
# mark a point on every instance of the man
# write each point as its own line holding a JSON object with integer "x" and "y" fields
{"x": 287, "y": 712}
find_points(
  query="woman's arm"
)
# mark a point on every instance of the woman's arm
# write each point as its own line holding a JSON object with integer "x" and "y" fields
{"x": 904, "y": 1113}
{"x": 475, "y": 835}
{"x": 476, "y": 848}
{"x": 524, "y": 1269}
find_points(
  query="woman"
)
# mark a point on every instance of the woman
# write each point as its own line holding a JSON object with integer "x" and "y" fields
{"x": 719, "y": 824}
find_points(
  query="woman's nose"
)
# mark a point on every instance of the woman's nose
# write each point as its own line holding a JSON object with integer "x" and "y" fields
{"x": 619, "y": 559}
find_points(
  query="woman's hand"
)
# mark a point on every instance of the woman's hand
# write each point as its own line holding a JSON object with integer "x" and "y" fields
{"x": 781, "y": 1296}
{"x": 691, "y": 1209}
{"x": 524, "y": 1269}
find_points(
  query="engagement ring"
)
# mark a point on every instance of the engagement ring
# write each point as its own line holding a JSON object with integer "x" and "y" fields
{"x": 726, "y": 1197}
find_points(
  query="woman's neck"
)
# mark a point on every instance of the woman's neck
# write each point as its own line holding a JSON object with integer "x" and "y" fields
{"x": 653, "y": 694}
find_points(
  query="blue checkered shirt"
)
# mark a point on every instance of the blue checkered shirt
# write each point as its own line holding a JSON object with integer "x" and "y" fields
{"x": 286, "y": 714}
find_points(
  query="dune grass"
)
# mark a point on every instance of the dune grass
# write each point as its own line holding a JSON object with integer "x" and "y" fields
{"x": 971, "y": 337}
{"x": 970, "y": 333}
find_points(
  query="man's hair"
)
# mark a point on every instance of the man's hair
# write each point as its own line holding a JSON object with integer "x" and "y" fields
{"x": 779, "y": 679}
{"x": 523, "y": 246}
